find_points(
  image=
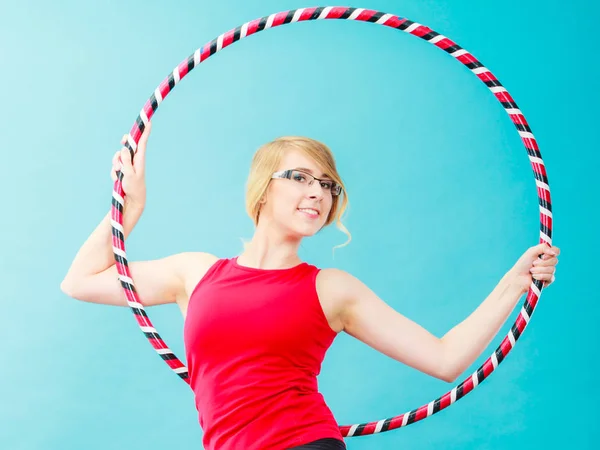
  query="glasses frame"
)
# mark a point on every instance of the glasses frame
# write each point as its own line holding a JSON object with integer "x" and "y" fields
{"x": 336, "y": 189}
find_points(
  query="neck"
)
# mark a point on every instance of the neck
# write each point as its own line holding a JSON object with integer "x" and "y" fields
{"x": 270, "y": 249}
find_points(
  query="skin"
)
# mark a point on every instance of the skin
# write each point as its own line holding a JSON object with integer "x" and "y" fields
{"x": 349, "y": 305}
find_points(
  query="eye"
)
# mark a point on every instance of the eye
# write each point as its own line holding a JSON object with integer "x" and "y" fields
{"x": 326, "y": 184}
{"x": 300, "y": 178}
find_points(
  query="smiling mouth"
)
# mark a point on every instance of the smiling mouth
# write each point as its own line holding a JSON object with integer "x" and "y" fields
{"x": 312, "y": 213}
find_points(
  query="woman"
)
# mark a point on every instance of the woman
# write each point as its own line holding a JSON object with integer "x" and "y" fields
{"x": 257, "y": 326}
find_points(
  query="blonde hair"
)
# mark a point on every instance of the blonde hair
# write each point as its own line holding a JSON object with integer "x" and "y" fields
{"x": 266, "y": 161}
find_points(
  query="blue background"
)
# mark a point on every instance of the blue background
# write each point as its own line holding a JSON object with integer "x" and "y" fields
{"x": 443, "y": 202}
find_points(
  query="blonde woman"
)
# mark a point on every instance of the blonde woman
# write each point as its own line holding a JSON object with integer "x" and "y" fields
{"x": 257, "y": 326}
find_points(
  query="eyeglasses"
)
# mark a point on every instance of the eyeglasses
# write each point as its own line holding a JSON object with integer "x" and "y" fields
{"x": 306, "y": 178}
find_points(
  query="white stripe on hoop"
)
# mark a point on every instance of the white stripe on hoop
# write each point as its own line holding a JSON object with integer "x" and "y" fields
{"x": 545, "y": 238}
{"x": 158, "y": 96}
{"x": 429, "y": 409}
{"x": 494, "y": 360}
{"x": 352, "y": 430}
{"x": 542, "y": 185}
{"x": 270, "y": 20}
{"x": 379, "y": 425}
{"x": 148, "y": 329}
{"x": 219, "y": 43}
{"x": 244, "y": 31}
{"x": 437, "y": 38}
{"x": 176, "y": 76}
{"x": 511, "y": 338}
{"x": 137, "y": 305}
{"x": 453, "y": 395}
{"x": 497, "y": 89}
{"x": 118, "y": 198}
{"x": 475, "y": 380}
{"x": 164, "y": 351}
{"x": 196, "y": 57}
{"x": 131, "y": 142}
{"x": 535, "y": 289}
{"x": 125, "y": 279}
{"x": 514, "y": 111}
{"x": 180, "y": 370}
{"x": 325, "y": 12}
{"x": 535, "y": 159}
{"x": 460, "y": 52}
{"x": 356, "y": 13}
{"x": 545, "y": 212}
{"x": 383, "y": 19}
{"x": 525, "y": 315}
{"x": 116, "y": 225}
{"x": 405, "y": 418}
{"x": 526, "y": 134}
{"x": 297, "y": 14}
{"x": 119, "y": 252}
{"x": 413, "y": 27}
{"x": 144, "y": 117}
{"x": 480, "y": 70}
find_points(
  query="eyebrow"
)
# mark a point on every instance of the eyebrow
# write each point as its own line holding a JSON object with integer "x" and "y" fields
{"x": 305, "y": 169}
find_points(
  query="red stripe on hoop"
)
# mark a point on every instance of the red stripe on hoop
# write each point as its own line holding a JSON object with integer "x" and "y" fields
{"x": 421, "y": 413}
{"x": 505, "y": 346}
{"x": 530, "y": 143}
{"x": 182, "y": 68}
{"x": 444, "y": 43}
{"x": 337, "y": 12}
{"x": 394, "y": 21}
{"x": 205, "y": 52}
{"x": 279, "y": 18}
{"x": 547, "y": 221}
{"x": 445, "y": 400}
{"x": 157, "y": 343}
{"x": 487, "y": 76}
{"x": 421, "y": 31}
{"x": 307, "y": 13}
{"x": 365, "y": 15}
{"x": 488, "y": 367}
{"x": 504, "y": 96}
{"x": 228, "y": 38}
{"x": 164, "y": 88}
{"x": 467, "y": 58}
{"x": 518, "y": 119}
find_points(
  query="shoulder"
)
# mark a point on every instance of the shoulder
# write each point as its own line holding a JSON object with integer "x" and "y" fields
{"x": 337, "y": 291}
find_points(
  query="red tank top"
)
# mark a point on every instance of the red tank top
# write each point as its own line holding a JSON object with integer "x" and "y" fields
{"x": 255, "y": 340}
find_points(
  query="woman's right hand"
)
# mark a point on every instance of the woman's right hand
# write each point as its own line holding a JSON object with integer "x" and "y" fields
{"x": 134, "y": 183}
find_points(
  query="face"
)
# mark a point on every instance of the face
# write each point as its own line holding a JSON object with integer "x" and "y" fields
{"x": 292, "y": 203}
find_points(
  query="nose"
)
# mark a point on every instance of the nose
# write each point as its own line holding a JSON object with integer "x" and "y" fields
{"x": 315, "y": 190}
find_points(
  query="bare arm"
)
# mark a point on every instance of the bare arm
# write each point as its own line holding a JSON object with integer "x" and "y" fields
{"x": 93, "y": 277}
{"x": 369, "y": 319}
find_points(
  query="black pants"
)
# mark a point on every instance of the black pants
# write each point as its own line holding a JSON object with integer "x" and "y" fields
{"x": 323, "y": 444}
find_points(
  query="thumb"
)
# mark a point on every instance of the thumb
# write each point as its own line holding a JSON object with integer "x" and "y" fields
{"x": 140, "y": 156}
{"x": 125, "y": 158}
{"x": 541, "y": 251}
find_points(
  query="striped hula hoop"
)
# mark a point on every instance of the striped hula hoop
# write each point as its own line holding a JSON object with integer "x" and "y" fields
{"x": 389, "y": 20}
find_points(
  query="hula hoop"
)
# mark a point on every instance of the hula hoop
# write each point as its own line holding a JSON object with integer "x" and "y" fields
{"x": 388, "y": 20}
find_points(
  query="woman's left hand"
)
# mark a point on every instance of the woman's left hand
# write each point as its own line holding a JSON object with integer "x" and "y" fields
{"x": 530, "y": 266}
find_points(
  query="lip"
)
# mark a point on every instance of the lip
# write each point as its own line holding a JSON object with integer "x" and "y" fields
{"x": 310, "y": 216}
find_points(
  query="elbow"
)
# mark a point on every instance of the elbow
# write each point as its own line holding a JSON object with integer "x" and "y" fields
{"x": 449, "y": 378}
{"x": 448, "y": 369}
{"x": 67, "y": 286}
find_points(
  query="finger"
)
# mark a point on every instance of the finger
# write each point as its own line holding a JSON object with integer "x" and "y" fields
{"x": 125, "y": 159}
{"x": 124, "y": 139}
{"x": 542, "y": 270}
{"x": 546, "y": 262}
{"x": 140, "y": 156}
